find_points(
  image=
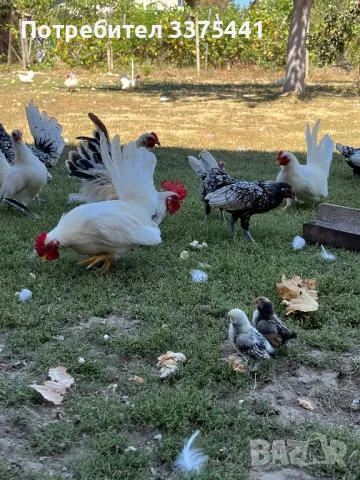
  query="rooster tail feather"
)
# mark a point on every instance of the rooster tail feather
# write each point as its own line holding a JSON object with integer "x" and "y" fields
{"x": 208, "y": 160}
{"x": 326, "y": 148}
{"x": 190, "y": 459}
{"x": 99, "y": 125}
{"x": 340, "y": 148}
{"x": 132, "y": 172}
{"x": 319, "y": 154}
{"x": 46, "y": 132}
{"x": 197, "y": 166}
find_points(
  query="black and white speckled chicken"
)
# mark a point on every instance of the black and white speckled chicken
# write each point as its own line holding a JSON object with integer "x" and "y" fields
{"x": 269, "y": 324}
{"x": 48, "y": 141}
{"x": 246, "y": 339}
{"x": 213, "y": 177}
{"x": 351, "y": 157}
{"x": 244, "y": 199}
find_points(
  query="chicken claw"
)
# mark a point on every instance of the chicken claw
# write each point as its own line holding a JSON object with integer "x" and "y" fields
{"x": 94, "y": 259}
{"x": 248, "y": 236}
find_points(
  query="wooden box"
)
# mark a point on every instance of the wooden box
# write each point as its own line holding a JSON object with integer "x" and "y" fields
{"x": 336, "y": 226}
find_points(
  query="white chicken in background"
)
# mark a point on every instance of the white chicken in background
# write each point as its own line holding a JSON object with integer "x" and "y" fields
{"x": 129, "y": 84}
{"x": 21, "y": 183}
{"x": 71, "y": 81}
{"x": 26, "y": 78}
{"x": 310, "y": 181}
{"x": 108, "y": 230}
{"x": 47, "y": 135}
{"x": 87, "y": 165}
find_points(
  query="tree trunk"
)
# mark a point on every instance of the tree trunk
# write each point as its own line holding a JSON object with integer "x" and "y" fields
{"x": 296, "y": 51}
{"x": 11, "y": 24}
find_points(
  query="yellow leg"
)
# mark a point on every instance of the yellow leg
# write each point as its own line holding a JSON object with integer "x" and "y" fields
{"x": 94, "y": 259}
{"x": 106, "y": 265}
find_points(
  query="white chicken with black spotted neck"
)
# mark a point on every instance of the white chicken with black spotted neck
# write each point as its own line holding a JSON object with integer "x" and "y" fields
{"x": 22, "y": 182}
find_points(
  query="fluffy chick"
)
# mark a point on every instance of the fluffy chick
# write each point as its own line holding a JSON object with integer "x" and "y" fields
{"x": 246, "y": 339}
{"x": 269, "y": 324}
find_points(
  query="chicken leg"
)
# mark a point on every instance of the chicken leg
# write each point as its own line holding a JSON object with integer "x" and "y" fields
{"x": 248, "y": 235}
{"x": 94, "y": 259}
{"x": 244, "y": 226}
{"x": 223, "y": 215}
{"x": 289, "y": 203}
{"x": 207, "y": 212}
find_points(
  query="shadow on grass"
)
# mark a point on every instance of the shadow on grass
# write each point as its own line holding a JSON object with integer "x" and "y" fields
{"x": 251, "y": 94}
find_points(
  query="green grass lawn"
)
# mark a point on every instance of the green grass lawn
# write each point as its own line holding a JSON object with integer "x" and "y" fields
{"x": 147, "y": 304}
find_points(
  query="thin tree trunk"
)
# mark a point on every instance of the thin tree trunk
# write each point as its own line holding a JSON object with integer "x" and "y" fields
{"x": 296, "y": 52}
{"x": 11, "y": 35}
{"x": 197, "y": 44}
{"x": 23, "y": 47}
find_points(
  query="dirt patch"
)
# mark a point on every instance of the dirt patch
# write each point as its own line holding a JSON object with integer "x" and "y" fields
{"x": 285, "y": 474}
{"x": 15, "y": 445}
{"x": 114, "y": 321}
{"x": 330, "y": 392}
{"x": 325, "y": 390}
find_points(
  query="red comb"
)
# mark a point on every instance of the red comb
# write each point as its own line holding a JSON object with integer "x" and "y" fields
{"x": 155, "y": 136}
{"x": 39, "y": 242}
{"x": 176, "y": 187}
{"x": 280, "y": 154}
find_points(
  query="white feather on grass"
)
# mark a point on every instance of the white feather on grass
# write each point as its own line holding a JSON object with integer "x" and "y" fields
{"x": 199, "y": 276}
{"x": 326, "y": 255}
{"x": 24, "y": 295}
{"x": 298, "y": 243}
{"x": 190, "y": 459}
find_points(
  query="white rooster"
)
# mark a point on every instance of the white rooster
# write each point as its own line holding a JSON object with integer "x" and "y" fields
{"x": 108, "y": 230}
{"x": 310, "y": 181}
{"x": 129, "y": 84}
{"x": 22, "y": 182}
{"x": 87, "y": 165}
{"x": 71, "y": 81}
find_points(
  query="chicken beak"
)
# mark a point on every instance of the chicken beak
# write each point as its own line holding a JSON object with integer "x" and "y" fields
{"x": 43, "y": 258}
{"x": 278, "y": 161}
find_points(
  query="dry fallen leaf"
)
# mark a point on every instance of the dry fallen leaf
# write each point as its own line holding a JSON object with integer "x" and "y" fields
{"x": 139, "y": 380}
{"x": 60, "y": 375}
{"x": 51, "y": 391}
{"x": 54, "y": 390}
{"x": 237, "y": 363}
{"x": 298, "y": 295}
{"x": 306, "y": 404}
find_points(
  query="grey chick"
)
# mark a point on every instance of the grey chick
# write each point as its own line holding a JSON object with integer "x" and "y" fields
{"x": 269, "y": 324}
{"x": 246, "y": 339}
